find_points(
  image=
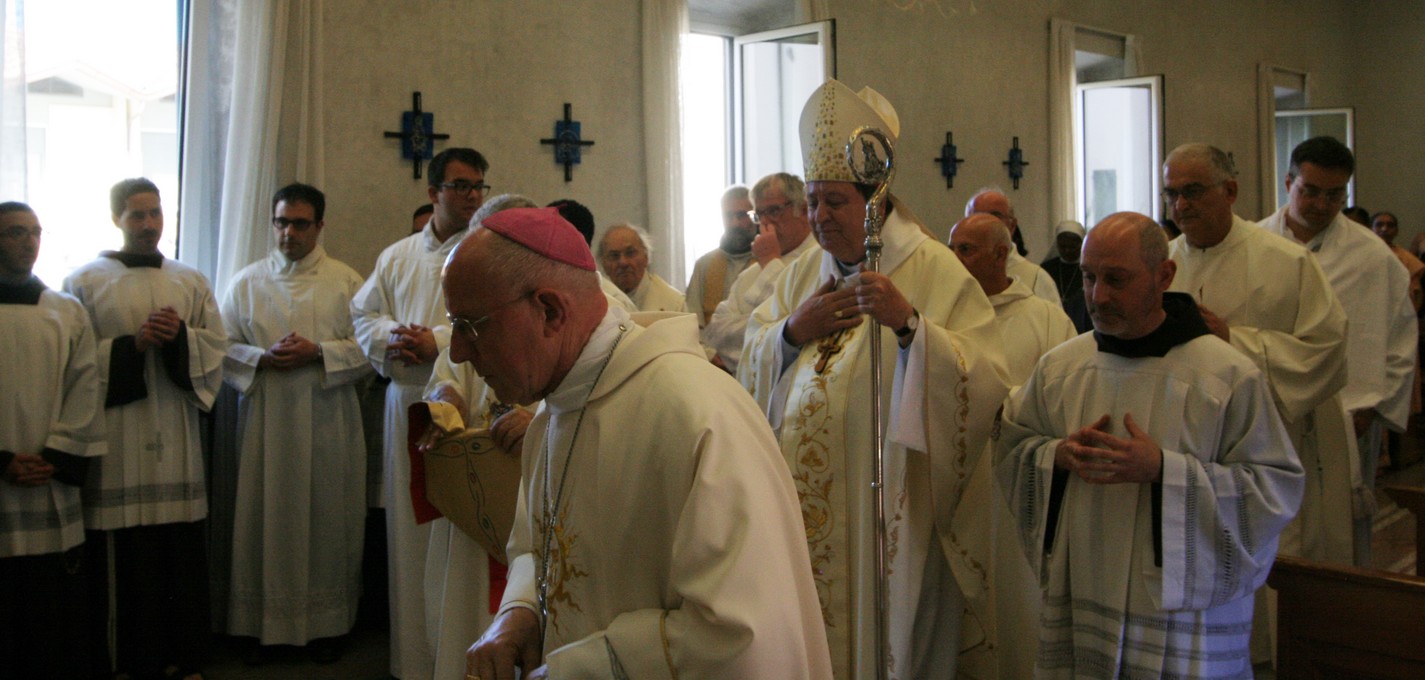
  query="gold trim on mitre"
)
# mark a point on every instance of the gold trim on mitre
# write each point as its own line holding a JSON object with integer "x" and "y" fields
{"x": 829, "y": 117}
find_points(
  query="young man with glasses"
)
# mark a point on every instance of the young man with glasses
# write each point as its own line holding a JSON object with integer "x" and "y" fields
{"x": 301, "y": 489}
{"x": 1375, "y": 292}
{"x": 399, "y": 315}
{"x": 47, "y": 355}
{"x": 714, "y": 272}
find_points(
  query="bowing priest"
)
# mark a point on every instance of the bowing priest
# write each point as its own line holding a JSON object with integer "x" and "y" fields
{"x": 1155, "y": 433}
{"x": 657, "y": 531}
{"x": 995, "y": 202}
{"x": 463, "y": 582}
{"x": 300, "y": 517}
{"x": 51, "y": 425}
{"x": 399, "y": 315}
{"x": 807, "y": 362}
{"x": 160, "y": 349}
{"x": 1029, "y": 325}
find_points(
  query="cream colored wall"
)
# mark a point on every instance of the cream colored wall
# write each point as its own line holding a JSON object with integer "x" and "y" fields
{"x": 496, "y": 76}
{"x": 981, "y": 69}
{"x": 1389, "y": 95}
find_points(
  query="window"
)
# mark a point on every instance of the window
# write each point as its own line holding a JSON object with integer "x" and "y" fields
{"x": 704, "y": 78}
{"x": 1120, "y": 147}
{"x": 742, "y": 103}
{"x": 100, "y": 105}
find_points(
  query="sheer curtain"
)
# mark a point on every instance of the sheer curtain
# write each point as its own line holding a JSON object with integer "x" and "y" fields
{"x": 252, "y": 122}
{"x": 664, "y": 23}
{"x": 13, "y": 150}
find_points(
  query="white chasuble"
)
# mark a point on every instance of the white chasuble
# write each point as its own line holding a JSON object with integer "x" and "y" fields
{"x": 1281, "y": 313}
{"x": 300, "y": 516}
{"x": 153, "y": 473}
{"x": 939, "y": 397}
{"x": 1149, "y": 580}
{"x": 678, "y": 546}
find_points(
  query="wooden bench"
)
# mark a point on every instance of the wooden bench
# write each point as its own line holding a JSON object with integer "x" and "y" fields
{"x": 1344, "y": 623}
{"x": 1411, "y": 498}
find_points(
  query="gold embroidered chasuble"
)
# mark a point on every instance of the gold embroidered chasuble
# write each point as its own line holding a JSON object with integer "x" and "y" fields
{"x": 939, "y": 398}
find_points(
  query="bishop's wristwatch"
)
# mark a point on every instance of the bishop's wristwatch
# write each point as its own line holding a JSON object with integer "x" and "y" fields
{"x": 912, "y": 324}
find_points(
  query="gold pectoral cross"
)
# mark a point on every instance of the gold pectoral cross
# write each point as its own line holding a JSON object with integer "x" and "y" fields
{"x": 828, "y": 347}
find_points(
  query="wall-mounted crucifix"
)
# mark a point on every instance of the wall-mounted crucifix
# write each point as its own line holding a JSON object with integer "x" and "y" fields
{"x": 566, "y": 141}
{"x": 416, "y": 135}
{"x": 949, "y": 164}
{"x": 1016, "y": 163}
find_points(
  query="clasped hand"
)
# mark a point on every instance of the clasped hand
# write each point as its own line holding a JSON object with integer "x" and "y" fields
{"x": 829, "y": 310}
{"x": 1099, "y": 457}
{"x": 412, "y": 345}
{"x": 292, "y": 351}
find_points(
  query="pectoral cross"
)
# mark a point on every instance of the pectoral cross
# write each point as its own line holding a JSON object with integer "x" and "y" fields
{"x": 829, "y": 346}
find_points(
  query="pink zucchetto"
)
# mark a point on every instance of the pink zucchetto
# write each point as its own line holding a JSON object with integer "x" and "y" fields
{"x": 545, "y": 232}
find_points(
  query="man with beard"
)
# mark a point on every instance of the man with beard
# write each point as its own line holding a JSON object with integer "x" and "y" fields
{"x": 399, "y": 315}
{"x": 1156, "y": 433}
{"x": 715, "y": 271}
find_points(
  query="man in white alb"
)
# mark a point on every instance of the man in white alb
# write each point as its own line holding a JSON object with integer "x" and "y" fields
{"x": 1156, "y": 433}
{"x": 51, "y": 425}
{"x": 160, "y": 348}
{"x": 399, "y": 315}
{"x": 300, "y": 517}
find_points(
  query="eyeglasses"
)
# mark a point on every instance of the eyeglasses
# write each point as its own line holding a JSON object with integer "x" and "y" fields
{"x": 1191, "y": 192}
{"x": 771, "y": 212}
{"x": 466, "y": 327}
{"x": 1333, "y": 196}
{"x": 18, "y": 232}
{"x": 463, "y": 187}
{"x": 299, "y": 224}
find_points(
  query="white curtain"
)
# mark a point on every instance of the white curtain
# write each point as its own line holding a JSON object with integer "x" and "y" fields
{"x": 1063, "y": 114}
{"x": 13, "y": 150}
{"x": 664, "y": 23}
{"x": 252, "y": 122}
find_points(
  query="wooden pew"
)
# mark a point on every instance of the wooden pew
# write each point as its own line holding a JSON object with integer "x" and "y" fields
{"x": 1341, "y": 623}
{"x": 1411, "y": 498}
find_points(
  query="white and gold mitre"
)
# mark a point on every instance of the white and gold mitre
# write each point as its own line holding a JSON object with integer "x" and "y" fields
{"x": 831, "y": 114}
